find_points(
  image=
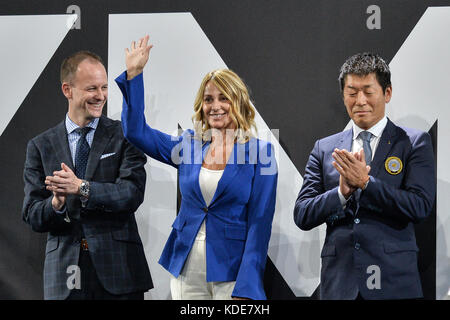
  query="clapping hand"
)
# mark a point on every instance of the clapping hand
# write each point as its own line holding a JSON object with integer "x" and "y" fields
{"x": 137, "y": 57}
{"x": 59, "y": 194}
{"x": 63, "y": 182}
{"x": 353, "y": 170}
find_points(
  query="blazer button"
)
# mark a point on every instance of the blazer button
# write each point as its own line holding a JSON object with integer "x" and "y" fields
{"x": 205, "y": 209}
{"x": 357, "y": 246}
{"x": 357, "y": 221}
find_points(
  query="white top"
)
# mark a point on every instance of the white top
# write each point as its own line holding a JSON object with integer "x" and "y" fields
{"x": 208, "y": 180}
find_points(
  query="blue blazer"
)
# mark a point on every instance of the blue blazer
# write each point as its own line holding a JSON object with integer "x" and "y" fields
{"x": 239, "y": 217}
{"x": 375, "y": 230}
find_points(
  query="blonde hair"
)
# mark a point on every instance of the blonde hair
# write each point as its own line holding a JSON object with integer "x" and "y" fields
{"x": 242, "y": 113}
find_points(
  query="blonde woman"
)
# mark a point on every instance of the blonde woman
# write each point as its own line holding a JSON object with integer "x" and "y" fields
{"x": 218, "y": 245}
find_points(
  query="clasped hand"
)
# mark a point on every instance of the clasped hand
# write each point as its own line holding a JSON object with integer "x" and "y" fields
{"x": 62, "y": 183}
{"x": 354, "y": 173}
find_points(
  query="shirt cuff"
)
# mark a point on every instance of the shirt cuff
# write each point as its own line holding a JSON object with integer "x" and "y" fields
{"x": 342, "y": 198}
{"x": 62, "y": 211}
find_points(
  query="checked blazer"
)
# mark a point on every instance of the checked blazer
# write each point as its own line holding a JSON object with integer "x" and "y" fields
{"x": 375, "y": 229}
{"x": 117, "y": 182}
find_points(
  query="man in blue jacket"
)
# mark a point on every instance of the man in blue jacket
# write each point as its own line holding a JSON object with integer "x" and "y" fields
{"x": 369, "y": 184}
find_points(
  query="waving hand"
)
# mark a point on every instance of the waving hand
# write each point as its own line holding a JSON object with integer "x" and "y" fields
{"x": 137, "y": 57}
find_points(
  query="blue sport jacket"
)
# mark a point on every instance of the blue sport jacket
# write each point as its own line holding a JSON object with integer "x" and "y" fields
{"x": 239, "y": 217}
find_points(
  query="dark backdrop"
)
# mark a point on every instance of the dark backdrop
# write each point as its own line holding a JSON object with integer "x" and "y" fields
{"x": 288, "y": 52}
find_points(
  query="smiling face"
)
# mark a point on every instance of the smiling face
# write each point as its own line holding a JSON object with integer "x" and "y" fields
{"x": 87, "y": 92}
{"x": 216, "y": 108}
{"x": 365, "y": 100}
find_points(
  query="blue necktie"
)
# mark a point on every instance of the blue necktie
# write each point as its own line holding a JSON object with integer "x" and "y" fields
{"x": 366, "y": 136}
{"x": 82, "y": 153}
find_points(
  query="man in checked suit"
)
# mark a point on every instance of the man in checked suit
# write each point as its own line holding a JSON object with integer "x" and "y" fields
{"x": 83, "y": 184}
{"x": 369, "y": 184}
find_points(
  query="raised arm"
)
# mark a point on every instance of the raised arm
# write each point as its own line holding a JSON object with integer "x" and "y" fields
{"x": 137, "y": 57}
{"x": 154, "y": 143}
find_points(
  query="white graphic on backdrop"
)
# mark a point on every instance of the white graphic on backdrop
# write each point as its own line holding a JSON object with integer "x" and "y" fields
{"x": 28, "y": 43}
{"x": 421, "y": 81}
{"x": 73, "y": 8}
{"x": 181, "y": 56}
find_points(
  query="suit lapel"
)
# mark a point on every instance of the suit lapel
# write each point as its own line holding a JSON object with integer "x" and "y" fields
{"x": 196, "y": 167}
{"x": 101, "y": 138}
{"x": 231, "y": 169}
{"x": 383, "y": 148}
{"x": 346, "y": 140}
{"x": 61, "y": 145}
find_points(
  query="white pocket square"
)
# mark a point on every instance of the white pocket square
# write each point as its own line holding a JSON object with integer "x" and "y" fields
{"x": 106, "y": 155}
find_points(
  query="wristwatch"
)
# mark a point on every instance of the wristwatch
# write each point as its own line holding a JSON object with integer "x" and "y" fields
{"x": 84, "y": 189}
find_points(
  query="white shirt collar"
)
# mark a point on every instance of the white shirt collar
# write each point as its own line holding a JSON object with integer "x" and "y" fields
{"x": 71, "y": 126}
{"x": 375, "y": 130}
